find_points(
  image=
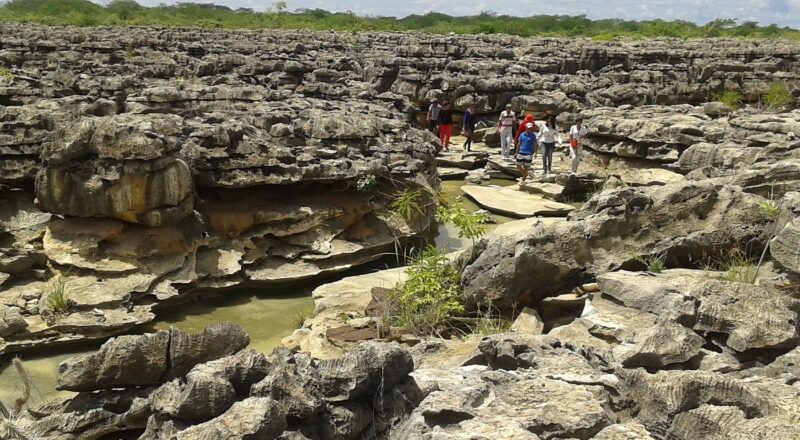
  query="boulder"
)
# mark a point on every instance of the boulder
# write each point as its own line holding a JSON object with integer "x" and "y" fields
{"x": 361, "y": 372}
{"x": 250, "y": 419}
{"x": 676, "y": 220}
{"x": 121, "y": 362}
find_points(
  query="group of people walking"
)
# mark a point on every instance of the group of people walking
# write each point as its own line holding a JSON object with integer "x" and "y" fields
{"x": 521, "y": 140}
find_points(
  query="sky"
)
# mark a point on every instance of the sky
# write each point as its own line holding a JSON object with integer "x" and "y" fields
{"x": 780, "y": 12}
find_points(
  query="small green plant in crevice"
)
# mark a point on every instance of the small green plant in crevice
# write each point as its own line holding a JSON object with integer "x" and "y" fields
{"x": 5, "y": 74}
{"x": 654, "y": 263}
{"x": 769, "y": 208}
{"x": 406, "y": 203}
{"x": 366, "y": 183}
{"x": 731, "y": 98}
{"x": 428, "y": 297}
{"x": 129, "y": 52}
{"x": 778, "y": 96}
{"x": 58, "y": 295}
{"x": 469, "y": 224}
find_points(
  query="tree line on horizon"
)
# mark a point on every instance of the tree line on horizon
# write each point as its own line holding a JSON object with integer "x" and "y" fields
{"x": 130, "y": 13}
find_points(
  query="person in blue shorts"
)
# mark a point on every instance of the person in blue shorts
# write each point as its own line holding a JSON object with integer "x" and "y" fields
{"x": 526, "y": 150}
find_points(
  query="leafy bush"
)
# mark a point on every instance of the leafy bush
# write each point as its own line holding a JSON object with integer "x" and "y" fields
{"x": 428, "y": 297}
{"x": 469, "y": 224}
{"x": 731, "y": 98}
{"x": 778, "y": 96}
{"x": 58, "y": 295}
{"x": 5, "y": 74}
{"x": 406, "y": 203}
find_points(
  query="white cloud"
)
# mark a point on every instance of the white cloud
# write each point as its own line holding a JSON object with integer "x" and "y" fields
{"x": 781, "y": 12}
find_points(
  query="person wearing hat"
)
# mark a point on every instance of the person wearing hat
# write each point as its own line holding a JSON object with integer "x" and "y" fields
{"x": 506, "y": 127}
{"x": 525, "y": 151}
{"x": 577, "y": 134}
{"x": 433, "y": 116}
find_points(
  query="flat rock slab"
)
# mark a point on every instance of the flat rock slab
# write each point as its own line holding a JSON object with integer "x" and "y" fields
{"x": 549, "y": 190}
{"x": 463, "y": 160}
{"x": 514, "y": 203}
{"x": 448, "y": 173}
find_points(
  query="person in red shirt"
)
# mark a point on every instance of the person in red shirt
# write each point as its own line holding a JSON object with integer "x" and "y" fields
{"x": 528, "y": 118}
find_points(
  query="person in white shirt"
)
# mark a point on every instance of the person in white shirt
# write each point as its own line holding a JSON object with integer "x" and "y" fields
{"x": 577, "y": 135}
{"x": 548, "y": 136}
{"x": 506, "y": 127}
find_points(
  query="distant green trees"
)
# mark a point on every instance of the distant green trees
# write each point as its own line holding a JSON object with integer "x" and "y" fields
{"x": 130, "y": 13}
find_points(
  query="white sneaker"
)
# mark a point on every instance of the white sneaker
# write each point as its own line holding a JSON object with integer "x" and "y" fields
{"x": 572, "y": 173}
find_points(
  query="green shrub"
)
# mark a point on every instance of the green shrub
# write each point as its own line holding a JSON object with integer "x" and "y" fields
{"x": 5, "y": 74}
{"x": 428, "y": 296}
{"x": 778, "y": 96}
{"x": 769, "y": 208}
{"x": 58, "y": 295}
{"x": 731, "y": 98}
{"x": 469, "y": 224}
{"x": 654, "y": 263}
{"x": 406, "y": 203}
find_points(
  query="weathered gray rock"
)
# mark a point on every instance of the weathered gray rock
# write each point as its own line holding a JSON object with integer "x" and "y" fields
{"x": 664, "y": 344}
{"x": 363, "y": 371}
{"x": 215, "y": 341}
{"x": 251, "y": 419}
{"x": 121, "y": 362}
{"x": 678, "y": 220}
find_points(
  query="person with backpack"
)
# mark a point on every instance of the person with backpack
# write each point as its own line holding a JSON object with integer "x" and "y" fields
{"x": 446, "y": 125}
{"x": 526, "y": 150}
{"x": 506, "y": 126}
{"x": 470, "y": 120}
{"x": 577, "y": 135}
{"x": 433, "y": 116}
{"x": 548, "y": 136}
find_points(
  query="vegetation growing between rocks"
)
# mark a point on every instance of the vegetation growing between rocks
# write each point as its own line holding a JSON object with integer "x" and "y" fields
{"x": 58, "y": 295}
{"x": 731, "y": 98}
{"x": 778, "y": 96}
{"x": 407, "y": 203}
{"x": 469, "y": 224}
{"x": 428, "y": 297}
{"x": 654, "y": 263}
{"x": 130, "y": 13}
{"x": 770, "y": 208}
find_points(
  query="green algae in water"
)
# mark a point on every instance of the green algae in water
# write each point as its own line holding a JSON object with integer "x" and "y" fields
{"x": 42, "y": 373}
{"x": 266, "y": 317}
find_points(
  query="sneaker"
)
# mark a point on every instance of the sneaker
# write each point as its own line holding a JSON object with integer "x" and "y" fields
{"x": 572, "y": 173}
